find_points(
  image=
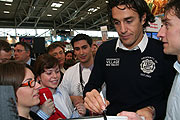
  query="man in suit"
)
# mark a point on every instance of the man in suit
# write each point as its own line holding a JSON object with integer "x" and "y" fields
{"x": 23, "y": 52}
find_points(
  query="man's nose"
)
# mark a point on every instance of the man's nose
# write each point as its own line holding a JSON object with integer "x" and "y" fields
{"x": 123, "y": 28}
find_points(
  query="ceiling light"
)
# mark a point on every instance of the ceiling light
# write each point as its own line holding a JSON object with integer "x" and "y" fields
{"x": 54, "y": 9}
{"x": 49, "y": 15}
{"x": 95, "y": 10}
{"x": 58, "y": 5}
{"x": 92, "y": 10}
{"x": 6, "y": 0}
{"x": 8, "y": 4}
{"x": 6, "y": 12}
{"x": 98, "y": 7}
{"x": 107, "y": 1}
{"x": 61, "y": 2}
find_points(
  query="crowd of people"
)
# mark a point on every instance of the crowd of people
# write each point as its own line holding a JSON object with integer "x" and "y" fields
{"x": 139, "y": 76}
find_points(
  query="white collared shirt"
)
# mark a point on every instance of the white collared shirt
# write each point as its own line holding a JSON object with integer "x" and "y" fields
{"x": 63, "y": 102}
{"x": 142, "y": 45}
{"x": 29, "y": 61}
{"x": 173, "y": 105}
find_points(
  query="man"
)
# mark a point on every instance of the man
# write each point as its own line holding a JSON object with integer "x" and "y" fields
{"x": 23, "y": 53}
{"x": 5, "y": 51}
{"x": 137, "y": 74}
{"x": 94, "y": 49}
{"x": 76, "y": 77}
{"x": 57, "y": 50}
{"x": 170, "y": 36}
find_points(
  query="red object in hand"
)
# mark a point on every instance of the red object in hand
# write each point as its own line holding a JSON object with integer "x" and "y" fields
{"x": 45, "y": 94}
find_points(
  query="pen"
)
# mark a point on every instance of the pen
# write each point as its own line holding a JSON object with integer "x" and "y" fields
{"x": 104, "y": 111}
{"x": 46, "y": 99}
{"x": 45, "y": 96}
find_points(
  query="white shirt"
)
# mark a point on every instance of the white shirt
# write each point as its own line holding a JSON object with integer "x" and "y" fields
{"x": 142, "y": 45}
{"x": 173, "y": 105}
{"x": 71, "y": 80}
{"x": 63, "y": 102}
{"x": 29, "y": 61}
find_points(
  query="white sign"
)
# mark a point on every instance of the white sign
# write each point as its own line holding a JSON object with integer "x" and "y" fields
{"x": 154, "y": 27}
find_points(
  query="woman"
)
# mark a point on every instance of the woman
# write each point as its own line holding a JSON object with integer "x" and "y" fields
{"x": 48, "y": 73}
{"x": 25, "y": 86}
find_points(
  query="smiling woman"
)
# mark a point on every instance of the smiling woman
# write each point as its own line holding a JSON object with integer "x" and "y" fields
{"x": 47, "y": 71}
{"x": 26, "y": 88}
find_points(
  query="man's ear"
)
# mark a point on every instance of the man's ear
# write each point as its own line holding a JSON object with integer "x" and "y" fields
{"x": 143, "y": 19}
{"x": 29, "y": 53}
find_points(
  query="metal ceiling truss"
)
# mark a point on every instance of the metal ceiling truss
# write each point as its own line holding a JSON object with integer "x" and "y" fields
{"x": 73, "y": 14}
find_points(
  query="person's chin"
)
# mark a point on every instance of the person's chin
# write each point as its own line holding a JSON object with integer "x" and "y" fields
{"x": 83, "y": 60}
{"x": 36, "y": 102}
{"x": 166, "y": 51}
{"x": 54, "y": 86}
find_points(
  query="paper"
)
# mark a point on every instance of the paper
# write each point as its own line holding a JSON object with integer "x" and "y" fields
{"x": 108, "y": 117}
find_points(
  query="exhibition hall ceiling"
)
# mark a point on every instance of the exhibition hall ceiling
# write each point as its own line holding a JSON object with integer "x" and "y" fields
{"x": 54, "y": 14}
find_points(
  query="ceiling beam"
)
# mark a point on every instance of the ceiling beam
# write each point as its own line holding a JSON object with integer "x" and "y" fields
{"x": 48, "y": 4}
{"x": 30, "y": 11}
{"x": 74, "y": 14}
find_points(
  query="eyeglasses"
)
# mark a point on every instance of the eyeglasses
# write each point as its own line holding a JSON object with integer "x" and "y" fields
{"x": 19, "y": 51}
{"x": 31, "y": 83}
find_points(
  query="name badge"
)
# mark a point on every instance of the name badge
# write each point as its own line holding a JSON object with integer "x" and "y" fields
{"x": 112, "y": 61}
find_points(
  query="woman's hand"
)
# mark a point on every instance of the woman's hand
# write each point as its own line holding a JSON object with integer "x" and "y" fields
{"x": 48, "y": 107}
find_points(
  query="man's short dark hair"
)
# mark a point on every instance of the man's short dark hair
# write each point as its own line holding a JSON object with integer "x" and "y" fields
{"x": 174, "y": 5}
{"x": 4, "y": 45}
{"x": 79, "y": 37}
{"x": 139, "y": 6}
{"x": 26, "y": 46}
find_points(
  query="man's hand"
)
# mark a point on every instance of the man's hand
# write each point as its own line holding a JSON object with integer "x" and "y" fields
{"x": 81, "y": 109}
{"x": 48, "y": 107}
{"x": 146, "y": 112}
{"x": 76, "y": 99}
{"x": 130, "y": 115}
{"x": 94, "y": 102}
{"x": 78, "y": 103}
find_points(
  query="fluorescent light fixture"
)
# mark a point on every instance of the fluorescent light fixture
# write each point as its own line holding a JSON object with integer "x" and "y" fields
{"x": 49, "y": 15}
{"x": 54, "y": 9}
{"x": 98, "y": 7}
{"x": 107, "y": 1}
{"x": 6, "y": 12}
{"x": 61, "y": 2}
{"x": 6, "y": 0}
{"x": 57, "y": 5}
{"x": 8, "y": 4}
{"x": 92, "y": 10}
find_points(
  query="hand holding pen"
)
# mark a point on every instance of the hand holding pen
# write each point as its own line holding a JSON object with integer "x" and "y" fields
{"x": 104, "y": 111}
{"x": 94, "y": 102}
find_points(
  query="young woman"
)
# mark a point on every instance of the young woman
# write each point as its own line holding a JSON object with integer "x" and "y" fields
{"x": 25, "y": 86}
{"x": 48, "y": 73}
